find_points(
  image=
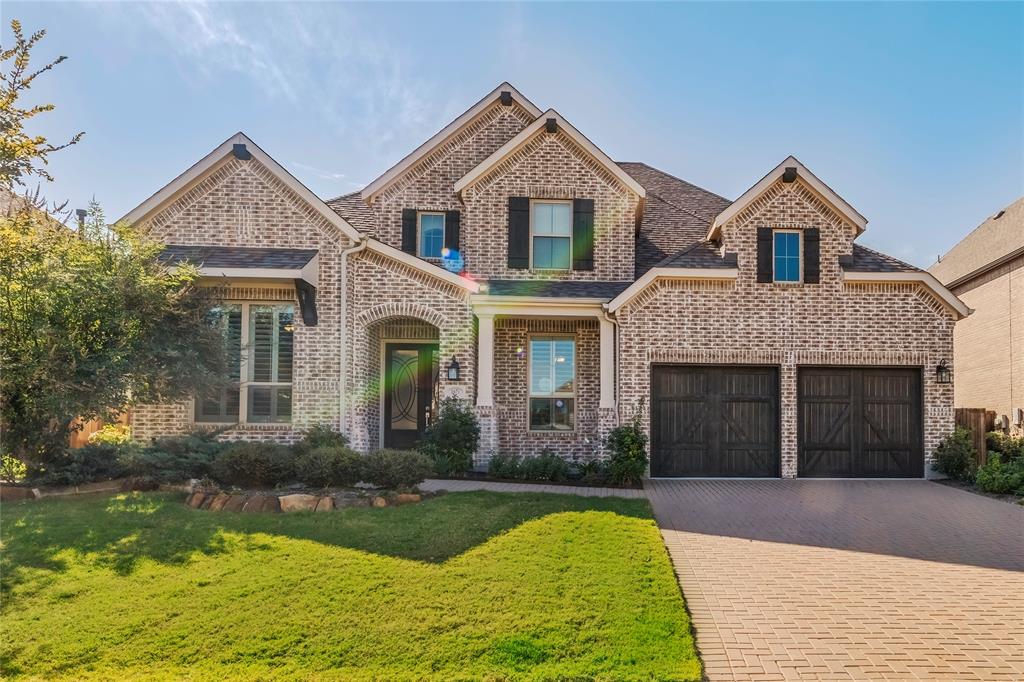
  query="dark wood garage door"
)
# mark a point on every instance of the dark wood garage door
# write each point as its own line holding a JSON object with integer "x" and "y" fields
{"x": 860, "y": 422}
{"x": 714, "y": 421}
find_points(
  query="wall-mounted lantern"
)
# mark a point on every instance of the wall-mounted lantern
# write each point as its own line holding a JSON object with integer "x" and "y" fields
{"x": 453, "y": 370}
{"x": 943, "y": 374}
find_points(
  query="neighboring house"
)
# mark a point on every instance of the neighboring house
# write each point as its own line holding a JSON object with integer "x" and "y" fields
{"x": 508, "y": 261}
{"x": 986, "y": 271}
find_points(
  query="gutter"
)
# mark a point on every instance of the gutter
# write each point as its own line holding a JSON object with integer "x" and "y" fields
{"x": 361, "y": 245}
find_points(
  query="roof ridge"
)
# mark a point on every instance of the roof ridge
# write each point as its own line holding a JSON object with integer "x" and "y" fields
{"x": 677, "y": 179}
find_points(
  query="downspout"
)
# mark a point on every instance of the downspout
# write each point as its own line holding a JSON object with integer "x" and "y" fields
{"x": 615, "y": 356}
{"x": 361, "y": 245}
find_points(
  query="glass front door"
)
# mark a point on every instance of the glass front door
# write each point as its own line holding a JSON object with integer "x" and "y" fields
{"x": 410, "y": 392}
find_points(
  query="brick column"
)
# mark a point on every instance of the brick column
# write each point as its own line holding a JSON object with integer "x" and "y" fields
{"x": 788, "y": 414}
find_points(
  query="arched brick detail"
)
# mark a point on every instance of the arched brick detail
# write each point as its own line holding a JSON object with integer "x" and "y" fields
{"x": 393, "y": 309}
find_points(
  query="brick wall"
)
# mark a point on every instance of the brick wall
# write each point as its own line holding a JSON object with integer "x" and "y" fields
{"x": 831, "y": 323}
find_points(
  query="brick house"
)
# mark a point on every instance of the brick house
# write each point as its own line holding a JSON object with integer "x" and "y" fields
{"x": 509, "y": 262}
{"x": 986, "y": 270}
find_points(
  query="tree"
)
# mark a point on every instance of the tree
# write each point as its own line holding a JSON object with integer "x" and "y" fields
{"x": 23, "y": 155}
{"x": 91, "y": 321}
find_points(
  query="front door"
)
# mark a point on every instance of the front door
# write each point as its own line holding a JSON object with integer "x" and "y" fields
{"x": 410, "y": 383}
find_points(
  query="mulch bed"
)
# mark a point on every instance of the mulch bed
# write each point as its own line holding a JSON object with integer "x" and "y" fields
{"x": 960, "y": 485}
{"x": 480, "y": 476}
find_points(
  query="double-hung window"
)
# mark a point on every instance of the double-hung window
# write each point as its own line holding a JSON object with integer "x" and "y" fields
{"x": 431, "y": 234}
{"x": 786, "y": 256}
{"x": 552, "y": 383}
{"x": 551, "y": 235}
{"x": 259, "y": 341}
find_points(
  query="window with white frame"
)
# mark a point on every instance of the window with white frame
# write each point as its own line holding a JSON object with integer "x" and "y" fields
{"x": 552, "y": 377}
{"x": 786, "y": 255}
{"x": 260, "y": 341}
{"x": 551, "y": 235}
{"x": 431, "y": 234}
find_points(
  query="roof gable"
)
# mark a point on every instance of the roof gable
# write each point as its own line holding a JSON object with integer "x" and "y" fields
{"x": 425, "y": 149}
{"x": 810, "y": 179}
{"x": 214, "y": 160}
{"x": 539, "y": 127}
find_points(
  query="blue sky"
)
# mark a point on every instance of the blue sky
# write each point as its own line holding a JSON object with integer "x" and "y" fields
{"x": 913, "y": 112}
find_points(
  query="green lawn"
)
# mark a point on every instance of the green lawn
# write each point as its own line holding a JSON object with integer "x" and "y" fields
{"x": 465, "y": 586}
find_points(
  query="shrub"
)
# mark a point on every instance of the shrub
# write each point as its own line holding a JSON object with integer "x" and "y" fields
{"x": 112, "y": 434}
{"x": 955, "y": 456}
{"x": 401, "y": 469}
{"x": 452, "y": 439}
{"x": 999, "y": 476}
{"x": 1010, "y": 447}
{"x": 254, "y": 465}
{"x": 546, "y": 466}
{"x": 505, "y": 466}
{"x": 94, "y": 462}
{"x": 327, "y": 466}
{"x": 177, "y": 458}
{"x": 320, "y": 436}
{"x": 594, "y": 472}
{"x": 12, "y": 469}
{"x": 628, "y": 446}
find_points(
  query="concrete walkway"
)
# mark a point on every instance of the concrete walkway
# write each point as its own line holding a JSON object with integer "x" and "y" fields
{"x": 840, "y": 580}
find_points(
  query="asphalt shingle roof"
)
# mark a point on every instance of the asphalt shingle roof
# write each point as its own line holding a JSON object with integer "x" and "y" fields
{"x": 555, "y": 288}
{"x": 237, "y": 256}
{"x": 352, "y": 208}
{"x": 869, "y": 260}
{"x": 699, "y": 255}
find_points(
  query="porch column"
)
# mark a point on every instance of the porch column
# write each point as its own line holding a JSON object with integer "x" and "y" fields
{"x": 485, "y": 361}
{"x": 607, "y": 364}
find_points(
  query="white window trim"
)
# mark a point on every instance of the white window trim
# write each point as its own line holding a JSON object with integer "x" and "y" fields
{"x": 799, "y": 254}
{"x": 554, "y": 394}
{"x": 419, "y": 235}
{"x": 551, "y": 201}
{"x": 243, "y": 370}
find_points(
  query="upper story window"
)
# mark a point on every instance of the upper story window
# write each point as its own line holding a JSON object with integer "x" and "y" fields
{"x": 551, "y": 235}
{"x": 786, "y": 256}
{"x": 431, "y": 231}
{"x": 261, "y": 377}
{"x": 552, "y": 383}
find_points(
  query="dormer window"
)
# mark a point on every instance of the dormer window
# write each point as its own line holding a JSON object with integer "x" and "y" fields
{"x": 786, "y": 255}
{"x": 431, "y": 234}
{"x": 551, "y": 235}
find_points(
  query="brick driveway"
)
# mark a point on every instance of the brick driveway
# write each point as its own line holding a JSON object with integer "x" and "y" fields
{"x": 847, "y": 580}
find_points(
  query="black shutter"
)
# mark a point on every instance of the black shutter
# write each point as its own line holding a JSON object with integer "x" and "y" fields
{"x": 583, "y": 234}
{"x": 519, "y": 232}
{"x": 812, "y": 255}
{"x": 409, "y": 230}
{"x": 764, "y": 254}
{"x": 451, "y": 230}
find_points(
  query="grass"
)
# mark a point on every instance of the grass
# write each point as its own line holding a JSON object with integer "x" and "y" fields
{"x": 467, "y": 586}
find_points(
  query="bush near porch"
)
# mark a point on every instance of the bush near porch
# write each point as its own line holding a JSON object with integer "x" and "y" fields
{"x": 465, "y": 586}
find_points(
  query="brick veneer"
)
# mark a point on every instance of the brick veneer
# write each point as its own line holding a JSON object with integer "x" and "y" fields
{"x": 785, "y": 325}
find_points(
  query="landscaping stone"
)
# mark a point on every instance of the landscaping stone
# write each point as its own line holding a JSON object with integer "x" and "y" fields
{"x": 272, "y": 504}
{"x": 380, "y": 501}
{"x": 15, "y": 493}
{"x": 208, "y": 500}
{"x": 325, "y": 504}
{"x": 219, "y": 501}
{"x": 234, "y": 503}
{"x": 195, "y": 499}
{"x": 407, "y": 498}
{"x": 298, "y": 502}
{"x": 253, "y": 504}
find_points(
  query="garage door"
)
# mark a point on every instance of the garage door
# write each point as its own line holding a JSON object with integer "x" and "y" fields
{"x": 714, "y": 421}
{"x": 860, "y": 422}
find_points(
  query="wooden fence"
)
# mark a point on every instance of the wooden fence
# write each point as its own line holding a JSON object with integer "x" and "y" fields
{"x": 80, "y": 437}
{"x": 978, "y": 421}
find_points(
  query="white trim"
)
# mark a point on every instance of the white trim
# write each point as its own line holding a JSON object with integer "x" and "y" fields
{"x": 561, "y": 202}
{"x": 799, "y": 257}
{"x": 538, "y": 127}
{"x": 485, "y": 361}
{"x": 419, "y": 233}
{"x": 537, "y": 301}
{"x": 535, "y": 308}
{"x": 925, "y": 278}
{"x": 607, "y": 359}
{"x": 669, "y": 273}
{"x": 213, "y": 160}
{"x": 424, "y": 266}
{"x": 375, "y": 187}
{"x": 767, "y": 181}
{"x": 550, "y": 395}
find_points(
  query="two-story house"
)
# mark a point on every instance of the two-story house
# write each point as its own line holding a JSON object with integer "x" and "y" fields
{"x": 510, "y": 262}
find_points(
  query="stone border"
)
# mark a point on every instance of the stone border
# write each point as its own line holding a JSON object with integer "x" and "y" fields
{"x": 216, "y": 500}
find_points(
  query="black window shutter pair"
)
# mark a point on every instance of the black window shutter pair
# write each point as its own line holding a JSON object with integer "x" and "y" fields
{"x": 452, "y": 230}
{"x": 812, "y": 255}
{"x": 519, "y": 233}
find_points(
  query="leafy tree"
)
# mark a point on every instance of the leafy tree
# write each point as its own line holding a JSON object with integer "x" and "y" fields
{"x": 90, "y": 321}
{"x": 23, "y": 155}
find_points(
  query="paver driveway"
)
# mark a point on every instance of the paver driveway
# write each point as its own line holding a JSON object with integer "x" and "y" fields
{"x": 847, "y": 580}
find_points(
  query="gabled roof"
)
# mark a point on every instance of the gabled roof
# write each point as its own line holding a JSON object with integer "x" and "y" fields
{"x": 237, "y": 256}
{"x": 442, "y": 135}
{"x": 554, "y": 288}
{"x": 538, "y": 128}
{"x": 213, "y": 160}
{"x": 864, "y": 259}
{"x": 999, "y": 239}
{"x": 812, "y": 181}
{"x": 699, "y": 255}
